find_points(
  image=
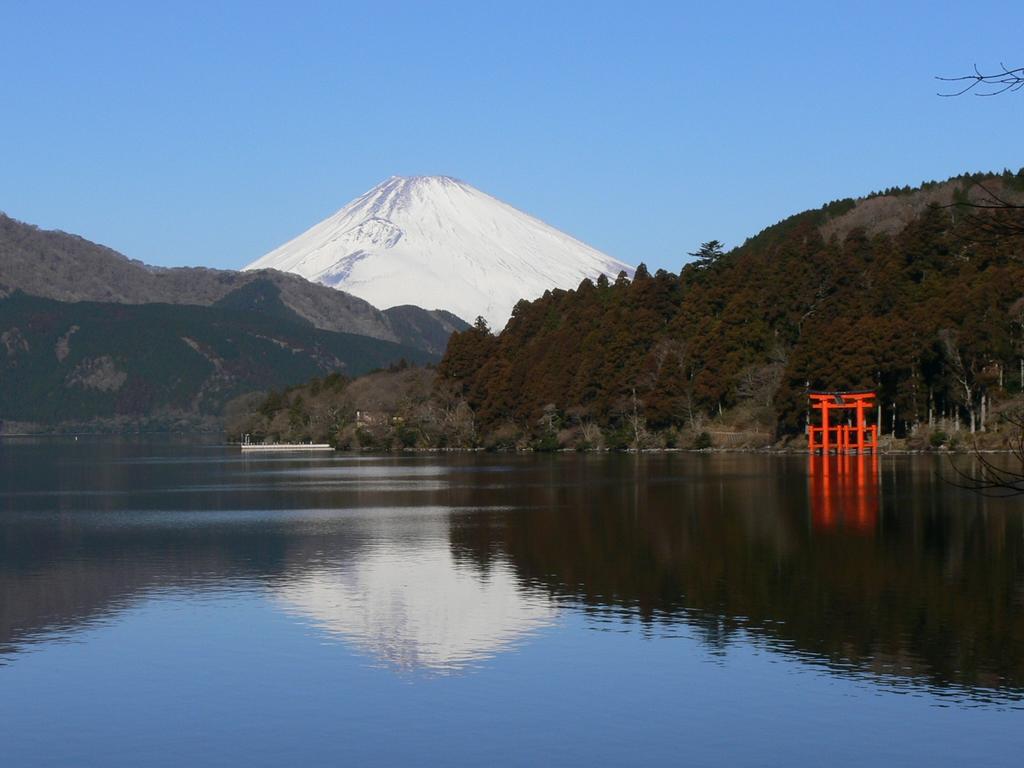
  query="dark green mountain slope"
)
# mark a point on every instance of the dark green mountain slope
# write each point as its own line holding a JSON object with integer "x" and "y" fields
{"x": 66, "y": 267}
{"x": 418, "y": 328}
{"x": 71, "y": 362}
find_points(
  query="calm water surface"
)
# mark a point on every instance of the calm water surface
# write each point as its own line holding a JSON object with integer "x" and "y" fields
{"x": 171, "y": 604}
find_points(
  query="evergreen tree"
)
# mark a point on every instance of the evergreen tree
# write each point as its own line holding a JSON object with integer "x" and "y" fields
{"x": 708, "y": 253}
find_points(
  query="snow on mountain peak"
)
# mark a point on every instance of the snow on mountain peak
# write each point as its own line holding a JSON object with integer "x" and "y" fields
{"x": 439, "y": 243}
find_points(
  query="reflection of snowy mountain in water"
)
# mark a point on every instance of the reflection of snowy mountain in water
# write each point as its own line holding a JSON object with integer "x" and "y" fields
{"x": 411, "y": 605}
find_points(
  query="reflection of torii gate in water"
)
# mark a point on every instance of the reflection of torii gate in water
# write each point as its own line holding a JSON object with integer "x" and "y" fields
{"x": 843, "y": 488}
{"x": 842, "y": 438}
{"x": 844, "y": 492}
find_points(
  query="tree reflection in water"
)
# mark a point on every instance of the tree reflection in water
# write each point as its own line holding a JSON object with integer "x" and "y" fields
{"x": 907, "y": 576}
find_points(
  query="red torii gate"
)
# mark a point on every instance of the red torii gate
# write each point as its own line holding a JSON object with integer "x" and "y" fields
{"x": 842, "y": 438}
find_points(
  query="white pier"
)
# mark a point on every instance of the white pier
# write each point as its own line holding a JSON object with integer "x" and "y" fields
{"x": 282, "y": 447}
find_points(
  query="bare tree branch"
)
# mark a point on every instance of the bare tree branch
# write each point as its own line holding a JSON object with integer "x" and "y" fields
{"x": 990, "y": 84}
{"x": 991, "y": 479}
{"x": 996, "y": 217}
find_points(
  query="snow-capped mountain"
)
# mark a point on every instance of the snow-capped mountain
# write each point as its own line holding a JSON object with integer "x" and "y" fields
{"x": 439, "y": 243}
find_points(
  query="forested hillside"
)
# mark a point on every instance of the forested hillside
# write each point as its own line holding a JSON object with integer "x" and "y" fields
{"x": 159, "y": 366}
{"x": 907, "y": 292}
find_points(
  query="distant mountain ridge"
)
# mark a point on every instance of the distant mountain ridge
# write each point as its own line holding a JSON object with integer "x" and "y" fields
{"x": 57, "y": 265}
{"x": 164, "y": 365}
{"x": 91, "y": 339}
{"x": 437, "y": 241}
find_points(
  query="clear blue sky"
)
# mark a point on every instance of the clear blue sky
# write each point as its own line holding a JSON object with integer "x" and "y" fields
{"x": 191, "y": 134}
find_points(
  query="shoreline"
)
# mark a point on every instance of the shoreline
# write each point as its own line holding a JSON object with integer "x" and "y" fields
{"x": 207, "y": 438}
{"x": 635, "y": 451}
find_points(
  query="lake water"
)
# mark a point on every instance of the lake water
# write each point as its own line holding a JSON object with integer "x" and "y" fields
{"x": 174, "y": 604}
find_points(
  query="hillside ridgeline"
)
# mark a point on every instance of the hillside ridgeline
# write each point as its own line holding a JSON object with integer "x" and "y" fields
{"x": 65, "y": 267}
